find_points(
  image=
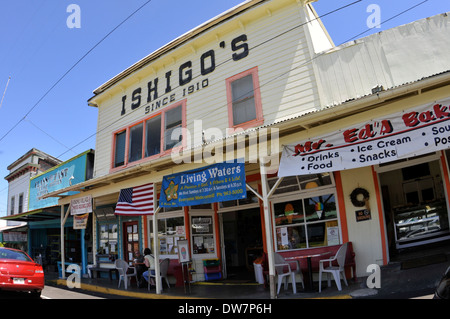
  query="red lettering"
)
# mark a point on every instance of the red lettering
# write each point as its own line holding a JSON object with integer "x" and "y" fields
{"x": 386, "y": 127}
{"x": 307, "y": 147}
{"x": 350, "y": 135}
{"x": 440, "y": 111}
{"x": 426, "y": 116}
{"x": 366, "y": 132}
{"x": 410, "y": 119}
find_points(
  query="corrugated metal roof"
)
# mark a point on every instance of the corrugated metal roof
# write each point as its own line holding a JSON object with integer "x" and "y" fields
{"x": 387, "y": 59}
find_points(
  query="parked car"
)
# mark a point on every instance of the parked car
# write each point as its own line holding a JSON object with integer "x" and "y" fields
{"x": 443, "y": 288}
{"x": 18, "y": 272}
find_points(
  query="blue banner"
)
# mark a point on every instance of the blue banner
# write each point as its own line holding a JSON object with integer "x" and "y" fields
{"x": 215, "y": 183}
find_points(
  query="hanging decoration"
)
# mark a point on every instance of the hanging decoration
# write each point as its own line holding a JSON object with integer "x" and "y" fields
{"x": 356, "y": 195}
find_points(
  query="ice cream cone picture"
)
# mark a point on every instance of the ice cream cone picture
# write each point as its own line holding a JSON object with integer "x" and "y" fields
{"x": 319, "y": 209}
{"x": 289, "y": 212}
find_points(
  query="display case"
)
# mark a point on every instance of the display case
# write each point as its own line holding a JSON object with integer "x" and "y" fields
{"x": 415, "y": 223}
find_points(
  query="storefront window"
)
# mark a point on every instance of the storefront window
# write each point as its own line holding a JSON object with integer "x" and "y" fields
{"x": 202, "y": 230}
{"x": 170, "y": 231}
{"x": 108, "y": 239}
{"x": 307, "y": 222}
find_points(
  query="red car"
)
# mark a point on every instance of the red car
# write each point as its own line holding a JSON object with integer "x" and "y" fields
{"x": 18, "y": 272}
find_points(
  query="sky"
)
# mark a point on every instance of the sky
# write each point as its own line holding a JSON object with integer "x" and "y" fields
{"x": 53, "y": 55}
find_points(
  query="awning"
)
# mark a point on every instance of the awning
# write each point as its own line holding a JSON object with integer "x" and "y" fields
{"x": 36, "y": 215}
{"x": 22, "y": 227}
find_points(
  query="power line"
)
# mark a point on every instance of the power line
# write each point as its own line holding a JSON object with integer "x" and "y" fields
{"x": 71, "y": 68}
{"x": 226, "y": 61}
{"x": 391, "y": 18}
{"x": 53, "y": 138}
{"x": 266, "y": 41}
{"x": 320, "y": 54}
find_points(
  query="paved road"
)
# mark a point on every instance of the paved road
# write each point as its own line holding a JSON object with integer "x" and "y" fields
{"x": 50, "y": 292}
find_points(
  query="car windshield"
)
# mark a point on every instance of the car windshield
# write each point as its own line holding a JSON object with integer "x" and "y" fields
{"x": 13, "y": 254}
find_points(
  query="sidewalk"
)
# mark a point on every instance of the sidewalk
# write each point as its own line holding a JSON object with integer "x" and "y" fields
{"x": 396, "y": 283}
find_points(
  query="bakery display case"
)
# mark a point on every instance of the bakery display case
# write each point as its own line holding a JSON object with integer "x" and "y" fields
{"x": 414, "y": 223}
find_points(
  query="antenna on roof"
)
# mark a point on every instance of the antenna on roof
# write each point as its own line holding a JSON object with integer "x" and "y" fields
{"x": 1, "y": 102}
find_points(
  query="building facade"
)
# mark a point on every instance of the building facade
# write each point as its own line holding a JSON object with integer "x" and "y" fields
{"x": 263, "y": 82}
{"x": 27, "y": 166}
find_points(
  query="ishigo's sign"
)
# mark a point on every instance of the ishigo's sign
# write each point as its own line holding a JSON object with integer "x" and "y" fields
{"x": 412, "y": 132}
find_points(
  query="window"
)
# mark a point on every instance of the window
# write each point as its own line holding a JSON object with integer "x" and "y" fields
{"x": 306, "y": 222}
{"x": 119, "y": 146}
{"x": 153, "y": 136}
{"x": 150, "y": 137}
{"x": 202, "y": 230}
{"x": 173, "y": 120}
{"x": 135, "y": 142}
{"x": 171, "y": 229}
{"x": 11, "y": 208}
{"x": 21, "y": 203}
{"x": 244, "y": 100}
{"x": 108, "y": 239}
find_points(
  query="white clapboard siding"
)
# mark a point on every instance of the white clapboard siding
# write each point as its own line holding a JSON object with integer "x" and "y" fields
{"x": 286, "y": 78}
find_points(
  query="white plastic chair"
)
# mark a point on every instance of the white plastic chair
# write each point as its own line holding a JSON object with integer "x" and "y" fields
{"x": 283, "y": 271}
{"x": 335, "y": 270}
{"x": 123, "y": 267}
{"x": 163, "y": 268}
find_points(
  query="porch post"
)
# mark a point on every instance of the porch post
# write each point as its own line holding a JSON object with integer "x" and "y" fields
{"x": 268, "y": 226}
{"x": 63, "y": 253}
{"x": 156, "y": 249}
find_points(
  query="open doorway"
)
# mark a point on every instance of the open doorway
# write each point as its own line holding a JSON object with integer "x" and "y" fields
{"x": 415, "y": 205}
{"x": 241, "y": 237}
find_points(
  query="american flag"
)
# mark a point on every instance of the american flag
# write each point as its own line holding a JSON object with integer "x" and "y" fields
{"x": 135, "y": 201}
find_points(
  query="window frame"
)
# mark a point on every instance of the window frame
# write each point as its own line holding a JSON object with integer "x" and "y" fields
{"x": 162, "y": 233}
{"x": 143, "y": 122}
{"x": 259, "y": 120}
{"x": 302, "y": 196}
{"x": 20, "y": 203}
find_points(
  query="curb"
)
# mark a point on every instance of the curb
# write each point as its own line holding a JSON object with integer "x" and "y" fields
{"x": 118, "y": 292}
{"x": 150, "y": 295}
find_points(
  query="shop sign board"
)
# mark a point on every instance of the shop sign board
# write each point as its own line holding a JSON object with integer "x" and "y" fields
{"x": 80, "y": 221}
{"x": 82, "y": 205}
{"x": 363, "y": 214}
{"x": 412, "y": 132}
{"x": 68, "y": 173}
{"x": 214, "y": 183}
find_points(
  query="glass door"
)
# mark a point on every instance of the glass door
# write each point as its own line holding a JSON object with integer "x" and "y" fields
{"x": 130, "y": 240}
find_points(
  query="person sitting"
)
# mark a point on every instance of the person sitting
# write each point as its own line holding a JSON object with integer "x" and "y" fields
{"x": 140, "y": 266}
{"x": 149, "y": 262}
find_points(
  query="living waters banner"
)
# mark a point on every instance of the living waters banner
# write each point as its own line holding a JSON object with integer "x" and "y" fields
{"x": 214, "y": 183}
{"x": 409, "y": 133}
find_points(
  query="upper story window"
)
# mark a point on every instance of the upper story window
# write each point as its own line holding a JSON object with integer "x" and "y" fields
{"x": 244, "y": 100}
{"x": 11, "y": 208}
{"x": 20, "y": 203}
{"x": 150, "y": 137}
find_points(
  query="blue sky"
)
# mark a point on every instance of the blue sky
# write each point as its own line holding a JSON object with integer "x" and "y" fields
{"x": 37, "y": 48}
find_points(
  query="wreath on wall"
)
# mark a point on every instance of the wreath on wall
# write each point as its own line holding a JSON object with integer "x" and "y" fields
{"x": 356, "y": 193}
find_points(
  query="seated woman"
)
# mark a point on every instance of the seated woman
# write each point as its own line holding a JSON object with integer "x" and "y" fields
{"x": 149, "y": 262}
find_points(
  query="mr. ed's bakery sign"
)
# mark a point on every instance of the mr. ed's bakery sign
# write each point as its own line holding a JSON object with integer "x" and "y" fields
{"x": 159, "y": 92}
{"x": 412, "y": 132}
